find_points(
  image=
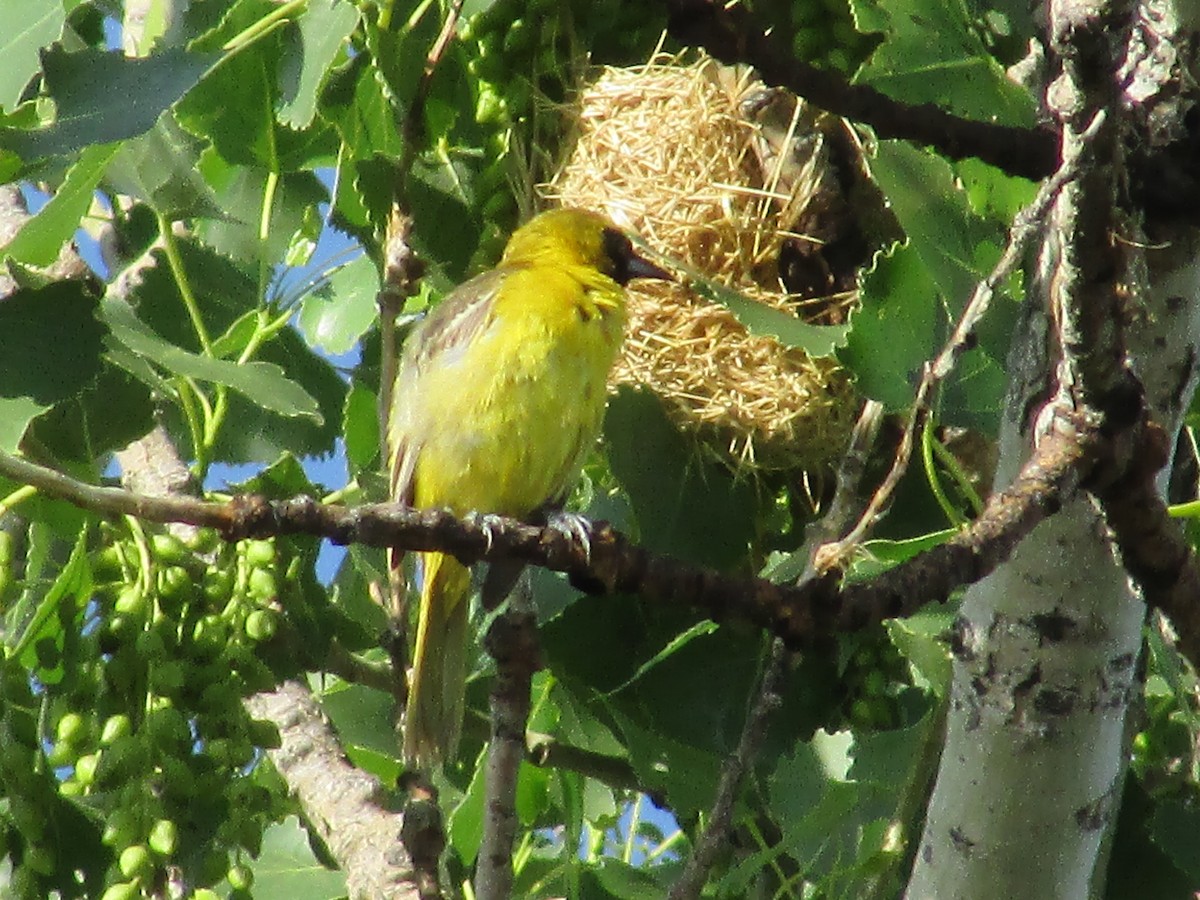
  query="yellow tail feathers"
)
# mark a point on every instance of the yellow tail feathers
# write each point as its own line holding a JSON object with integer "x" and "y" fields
{"x": 433, "y": 718}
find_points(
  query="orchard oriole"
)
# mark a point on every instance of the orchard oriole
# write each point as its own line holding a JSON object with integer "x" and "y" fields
{"x": 499, "y": 395}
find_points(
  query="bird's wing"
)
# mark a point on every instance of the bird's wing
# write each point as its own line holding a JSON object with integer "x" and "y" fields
{"x": 445, "y": 333}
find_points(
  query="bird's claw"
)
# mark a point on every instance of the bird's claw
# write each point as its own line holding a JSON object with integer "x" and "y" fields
{"x": 490, "y": 524}
{"x": 575, "y": 527}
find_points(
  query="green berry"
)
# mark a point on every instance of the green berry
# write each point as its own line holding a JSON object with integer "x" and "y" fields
{"x": 259, "y": 554}
{"x": 261, "y": 583}
{"x": 85, "y": 768}
{"x": 72, "y": 729}
{"x": 124, "y": 890}
{"x": 240, "y": 877}
{"x": 164, "y": 837}
{"x": 174, "y": 587}
{"x": 261, "y": 625}
{"x": 169, "y": 549}
{"x": 131, "y": 602}
{"x": 135, "y": 861}
{"x": 115, "y": 727}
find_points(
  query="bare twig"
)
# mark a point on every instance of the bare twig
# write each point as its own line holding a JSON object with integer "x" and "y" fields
{"x": 1025, "y": 228}
{"x": 548, "y": 752}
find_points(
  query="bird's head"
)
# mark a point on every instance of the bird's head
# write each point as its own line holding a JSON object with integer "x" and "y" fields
{"x": 577, "y": 237}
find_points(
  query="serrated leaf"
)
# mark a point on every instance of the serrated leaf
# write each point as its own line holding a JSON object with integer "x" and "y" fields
{"x": 357, "y": 103}
{"x": 920, "y": 640}
{"x": 931, "y": 54}
{"x": 43, "y": 235}
{"x": 287, "y": 869}
{"x": 262, "y": 383}
{"x": 239, "y": 191}
{"x": 50, "y": 349}
{"x": 937, "y": 218}
{"x": 74, "y": 580}
{"x": 342, "y": 308}
{"x": 324, "y": 27}
{"x": 104, "y": 97}
{"x": 34, "y": 24}
{"x": 895, "y": 329}
{"x": 159, "y": 168}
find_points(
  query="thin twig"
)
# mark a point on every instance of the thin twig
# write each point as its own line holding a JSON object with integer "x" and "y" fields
{"x": 1026, "y": 226}
{"x": 547, "y": 751}
{"x": 716, "y": 835}
{"x": 512, "y": 642}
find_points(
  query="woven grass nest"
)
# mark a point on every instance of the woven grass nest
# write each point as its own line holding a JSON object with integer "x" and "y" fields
{"x": 666, "y": 150}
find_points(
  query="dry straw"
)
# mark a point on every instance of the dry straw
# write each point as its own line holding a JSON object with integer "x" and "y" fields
{"x": 666, "y": 151}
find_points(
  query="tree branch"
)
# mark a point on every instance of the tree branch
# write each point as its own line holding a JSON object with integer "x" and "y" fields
{"x": 345, "y": 806}
{"x": 730, "y": 33}
{"x": 799, "y": 615}
{"x": 512, "y": 642}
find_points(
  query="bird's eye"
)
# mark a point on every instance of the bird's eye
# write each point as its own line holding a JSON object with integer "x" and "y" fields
{"x": 619, "y": 251}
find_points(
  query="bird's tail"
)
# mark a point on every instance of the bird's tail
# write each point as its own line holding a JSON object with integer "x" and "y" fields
{"x": 433, "y": 719}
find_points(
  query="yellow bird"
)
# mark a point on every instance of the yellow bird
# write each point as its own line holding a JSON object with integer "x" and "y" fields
{"x": 499, "y": 395}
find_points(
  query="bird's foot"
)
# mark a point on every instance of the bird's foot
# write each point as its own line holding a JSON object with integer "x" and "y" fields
{"x": 573, "y": 526}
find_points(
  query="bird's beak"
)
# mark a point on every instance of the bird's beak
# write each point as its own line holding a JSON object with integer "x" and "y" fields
{"x": 640, "y": 267}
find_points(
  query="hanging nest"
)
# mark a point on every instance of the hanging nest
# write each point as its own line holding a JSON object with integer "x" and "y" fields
{"x": 729, "y": 178}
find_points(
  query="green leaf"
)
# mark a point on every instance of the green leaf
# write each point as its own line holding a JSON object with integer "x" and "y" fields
{"x": 700, "y": 629}
{"x": 342, "y": 308}
{"x": 881, "y": 555}
{"x": 104, "y": 97}
{"x": 801, "y": 778}
{"x": 685, "y": 505}
{"x": 159, "y": 168}
{"x": 360, "y": 428}
{"x": 937, "y": 218}
{"x": 324, "y": 27}
{"x": 357, "y": 105}
{"x": 252, "y": 435}
{"x": 766, "y": 321}
{"x": 913, "y": 291}
{"x": 932, "y": 54}
{"x": 110, "y": 413}
{"x": 620, "y": 880}
{"x": 262, "y": 383}
{"x": 37, "y": 24}
{"x": 240, "y": 191}
{"x": 465, "y": 828}
{"x": 286, "y": 868}
{"x": 50, "y": 349}
{"x": 43, "y": 235}
{"x": 921, "y": 639}
{"x": 685, "y": 775}
{"x": 73, "y": 582}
